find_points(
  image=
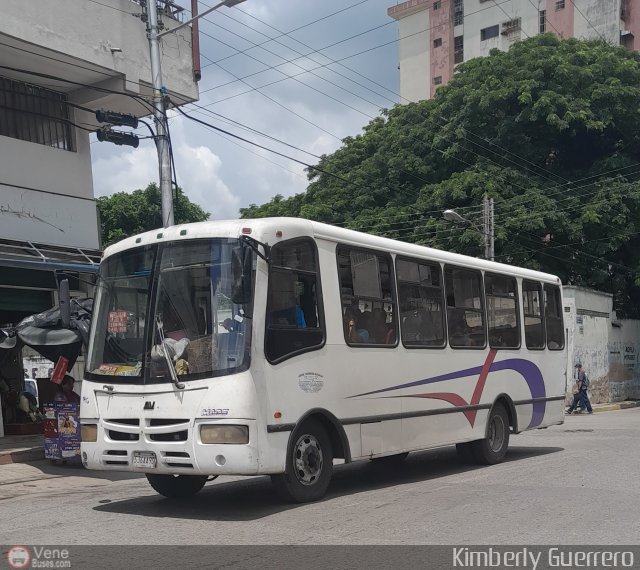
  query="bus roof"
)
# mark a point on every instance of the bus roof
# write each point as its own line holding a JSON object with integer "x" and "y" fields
{"x": 264, "y": 230}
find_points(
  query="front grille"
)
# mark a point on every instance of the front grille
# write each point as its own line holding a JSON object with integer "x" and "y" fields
{"x": 125, "y": 421}
{"x": 122, "y": 436}
{"x": 173, "y": 436}
{"x": 158, "y": 422}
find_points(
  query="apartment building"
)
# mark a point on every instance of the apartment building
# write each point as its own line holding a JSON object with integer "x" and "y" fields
{"x": 436, "y": 35}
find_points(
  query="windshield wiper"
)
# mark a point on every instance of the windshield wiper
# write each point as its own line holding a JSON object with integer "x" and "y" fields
{"x": 172, "y": 369}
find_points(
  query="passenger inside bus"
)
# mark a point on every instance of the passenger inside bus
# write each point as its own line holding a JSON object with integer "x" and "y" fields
{"x": 354, "y": 322}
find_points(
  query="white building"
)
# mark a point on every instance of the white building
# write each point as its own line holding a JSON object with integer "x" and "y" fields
{"x": 435, "y": 35}
{"x": 606, "y": 346}
{"x": 59, "y": 63}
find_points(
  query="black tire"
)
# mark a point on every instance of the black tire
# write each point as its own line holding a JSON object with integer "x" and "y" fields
{"x": 465, "y": 452}
{"x": 391, "y": 460}
{"x": 493, "y": 448}
{"x": 309, "y": 464}
{"x": 177, "y": 486}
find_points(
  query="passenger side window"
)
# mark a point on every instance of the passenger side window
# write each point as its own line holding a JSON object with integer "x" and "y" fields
{"x": 553, "y": 316}
{"x": 532, "y": 305}
{"x": 502, "y": 311}
{"x": 465, "y": 311}
{"x": 420, "y": 298}
{"x": 294, "y": 311}
{"x": 368, "y": 306}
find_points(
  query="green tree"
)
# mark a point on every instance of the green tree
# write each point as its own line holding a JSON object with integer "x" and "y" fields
{"x": 550, "y": 129}
{"x": 125, "y": 214}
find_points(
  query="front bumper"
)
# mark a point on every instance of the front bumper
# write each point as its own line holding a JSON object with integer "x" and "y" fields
{"x": 176, "y": 444}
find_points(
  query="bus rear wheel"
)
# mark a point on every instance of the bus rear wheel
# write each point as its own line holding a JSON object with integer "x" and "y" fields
{"x": 177, "y": 486}
{"x": 493, "y": 448}
{"x": 309, "y": 465}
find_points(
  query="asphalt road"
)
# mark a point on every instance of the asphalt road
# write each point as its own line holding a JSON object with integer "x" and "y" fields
{"x": 570, "y": 484}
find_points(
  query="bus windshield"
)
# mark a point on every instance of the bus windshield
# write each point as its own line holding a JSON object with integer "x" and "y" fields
{"x": 178, "y": 297}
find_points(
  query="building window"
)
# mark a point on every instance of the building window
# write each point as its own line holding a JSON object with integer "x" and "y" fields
{"x": 559, "y": 4}
{"x": 458, "y": 13}
{"x": 420, "y": 298}
{"x": 367, "y": 292}
{"x": 437, "y": 5}
{"x": 437, "y": 80}
{"x": 294, "y": 305}
{"x": 437, "y": 42}
{"x": 458, "y": 49}
{"x": 542, "y": 27}
{"x": 490, "y": 32}
{"x": 34, "y": 114}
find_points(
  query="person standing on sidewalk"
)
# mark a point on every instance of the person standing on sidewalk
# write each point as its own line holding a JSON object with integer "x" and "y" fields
{"x": 581, "y": 397}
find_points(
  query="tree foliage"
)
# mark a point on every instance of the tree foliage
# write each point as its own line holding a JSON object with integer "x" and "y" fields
{"x": 549, "y": 129}
{"x": 125, "y": 214}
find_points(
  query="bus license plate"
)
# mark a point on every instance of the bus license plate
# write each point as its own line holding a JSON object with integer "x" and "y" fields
{"x": 144, "y": 459}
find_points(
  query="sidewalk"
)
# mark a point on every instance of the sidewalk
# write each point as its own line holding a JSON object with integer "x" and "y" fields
{"x": 615, "y": 406}
{"x": 21, "y": 448}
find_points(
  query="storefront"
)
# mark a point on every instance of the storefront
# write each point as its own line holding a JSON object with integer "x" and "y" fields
{"x": 30, "y": 277}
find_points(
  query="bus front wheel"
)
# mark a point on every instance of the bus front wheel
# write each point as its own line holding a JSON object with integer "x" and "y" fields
{"x": 177, "y": 486}
{"x": 309, "y": 465}
{"x": 493, "y": 448}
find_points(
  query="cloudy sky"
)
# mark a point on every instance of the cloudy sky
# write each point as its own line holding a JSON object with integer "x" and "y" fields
{"x": 304, "y": 89}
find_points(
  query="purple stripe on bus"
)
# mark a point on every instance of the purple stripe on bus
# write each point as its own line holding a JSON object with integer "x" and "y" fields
{"x": 527, "y": 369}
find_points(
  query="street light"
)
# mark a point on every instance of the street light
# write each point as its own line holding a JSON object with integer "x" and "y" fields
{"x": 487, "y": 232}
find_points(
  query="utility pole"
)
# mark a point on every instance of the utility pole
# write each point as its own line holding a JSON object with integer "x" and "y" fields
{"x": 162, "y": 140}
{"x": 488, "y": 227}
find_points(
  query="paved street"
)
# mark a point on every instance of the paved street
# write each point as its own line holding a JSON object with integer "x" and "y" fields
{"x": 575, "y": 483}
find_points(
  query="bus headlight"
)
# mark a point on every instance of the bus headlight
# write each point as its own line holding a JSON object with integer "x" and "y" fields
{"x": 224, "y": 434}
{"x": 89, "y": 432}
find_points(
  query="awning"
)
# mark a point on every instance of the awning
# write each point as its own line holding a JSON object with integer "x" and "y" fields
{"x": 32, "y": 255}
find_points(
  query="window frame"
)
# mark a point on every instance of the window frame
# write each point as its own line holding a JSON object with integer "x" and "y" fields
{"x": 542, "y": 315}
{"x": 437, "y": 43}
{"x": 556, "y": 289}
{"x": 483, "y": 309}
{"x": 319, "y": 300}
{"x": 484, "y": 32}
{"x": 36, "y": 115}
{"x": 394, "y": 294}
{"x": 517, "y": 309}
{"x": 443, "y": 302}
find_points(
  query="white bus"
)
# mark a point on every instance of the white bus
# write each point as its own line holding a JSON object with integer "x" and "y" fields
{"x": 275, "y": 346}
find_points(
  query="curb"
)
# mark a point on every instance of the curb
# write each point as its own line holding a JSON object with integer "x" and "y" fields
{"x": 22, "y": 456}
{"x": 616, "y": 406}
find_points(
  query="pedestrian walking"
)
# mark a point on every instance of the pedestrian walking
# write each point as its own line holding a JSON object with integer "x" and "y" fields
{"x": 580, "y": 396}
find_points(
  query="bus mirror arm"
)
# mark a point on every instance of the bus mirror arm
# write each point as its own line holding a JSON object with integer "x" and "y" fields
{"x": 167, "y": 358}
{"x": 254, "y": 243}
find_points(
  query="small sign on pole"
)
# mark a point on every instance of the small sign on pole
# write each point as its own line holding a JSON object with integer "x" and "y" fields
{"x": 60, "y": 370}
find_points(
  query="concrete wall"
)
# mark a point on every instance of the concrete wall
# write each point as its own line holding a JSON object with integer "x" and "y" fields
{"x": 608, "y": 348}
{"x": 88, "y": 31}
{"x": 415, "y": 54}
{"x": 597, "y": 19}
{"x": 46, "y": 194}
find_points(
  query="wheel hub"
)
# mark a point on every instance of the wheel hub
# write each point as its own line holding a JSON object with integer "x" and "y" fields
{"x": 496, "y": 434}
{"x": 307, "y": 457}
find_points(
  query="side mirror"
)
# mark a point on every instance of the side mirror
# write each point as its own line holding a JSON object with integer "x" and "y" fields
{"x": 241, "y": 262}
{"x": 64, "y": 299}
